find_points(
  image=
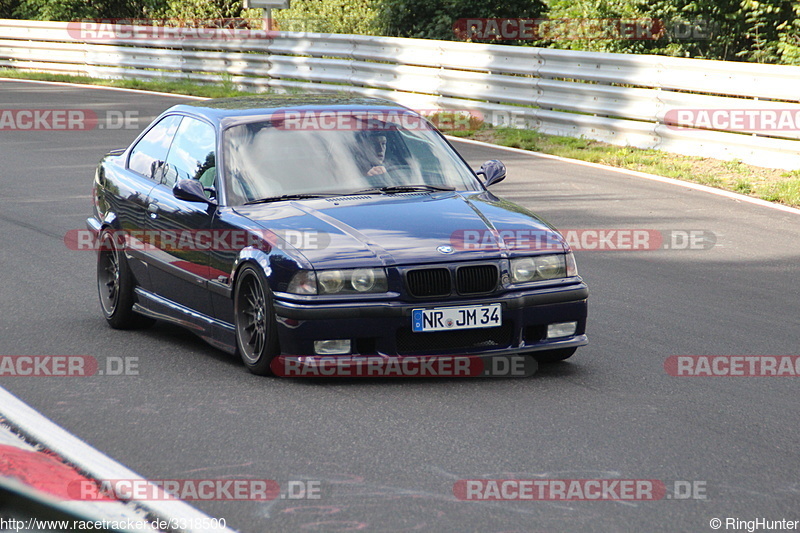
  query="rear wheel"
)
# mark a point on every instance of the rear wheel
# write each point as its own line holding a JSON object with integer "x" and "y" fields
{"x": 554, "y": 356}
{"x": 256, "y": 332}
{"x": 115, "y": 285}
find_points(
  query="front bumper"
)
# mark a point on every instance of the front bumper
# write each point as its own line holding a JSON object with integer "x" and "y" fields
{"x": 384, "y": 327}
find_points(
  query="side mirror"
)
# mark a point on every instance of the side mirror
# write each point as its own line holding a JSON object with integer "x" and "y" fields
{"x": 493, "y": 171}
{"x": 191, "y": 191}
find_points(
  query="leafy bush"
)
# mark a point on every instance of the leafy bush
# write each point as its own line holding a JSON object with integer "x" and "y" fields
{"x": 329, "y": 16}
{"x": 66, "y": 10}
{"x": 7, "y": 8}
{"x": 764, "y": 31}
{"x": 435, "y": 19}
{"x": 203, "y": 9}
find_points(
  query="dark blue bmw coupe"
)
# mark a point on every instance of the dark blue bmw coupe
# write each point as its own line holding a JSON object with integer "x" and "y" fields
{"x": 326, "y": 226}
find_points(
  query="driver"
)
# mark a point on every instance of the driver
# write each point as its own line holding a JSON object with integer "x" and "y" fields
{"x": 376, "y": 153}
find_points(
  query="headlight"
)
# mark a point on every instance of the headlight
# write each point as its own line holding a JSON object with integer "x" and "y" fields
{"x": 523, "y": 269}
{"x": 330, "y": 281}
{"x": 551, "y": 266}
{"x": 364, "y": 279}
{"x": 541, "y": 267}
{"x": 350, "y": 281}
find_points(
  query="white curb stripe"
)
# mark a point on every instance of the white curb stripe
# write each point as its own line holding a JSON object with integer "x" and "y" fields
{"x": 98, "y": 465}
{"x": 636, "y": 173}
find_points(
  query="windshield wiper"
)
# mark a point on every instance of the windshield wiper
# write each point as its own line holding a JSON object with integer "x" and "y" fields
{"x": 292, "y": 197}
{"x": 389, "y": 189}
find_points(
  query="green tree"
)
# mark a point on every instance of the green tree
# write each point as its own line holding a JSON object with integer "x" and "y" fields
{"x": 721, "y": 28}
{"x": 768, "y": 24}
{"x": 204, "y": 9}
{"x": 691, "y": 28}
{"x": 789, "y": 38}
{"x": 329, "y": 16}
{"x": 752, "y": 30}
{"x": 569, "y": 20}
{"x": 435, "y": 19}
{"x": 7, "y": 8}
{"x": 66, "y": 10}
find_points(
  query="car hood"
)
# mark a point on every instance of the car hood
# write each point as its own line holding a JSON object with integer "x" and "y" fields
{"x": 402, "y": 229}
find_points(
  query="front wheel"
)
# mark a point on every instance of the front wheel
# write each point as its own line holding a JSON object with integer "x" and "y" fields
{"x": 554, "y": 356}
{"x": 256, "y": 332}
{"x": 115, "y": 285}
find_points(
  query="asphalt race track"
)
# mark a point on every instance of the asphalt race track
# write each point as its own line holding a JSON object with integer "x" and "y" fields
{"x": 388, "y": 452}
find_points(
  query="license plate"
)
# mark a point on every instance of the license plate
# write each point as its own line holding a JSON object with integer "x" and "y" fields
{"x": 450, "y": 318}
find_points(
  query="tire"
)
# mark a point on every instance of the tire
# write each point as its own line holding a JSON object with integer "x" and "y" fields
{"x": 254, "y": 317}
{"x": 115, "y": 286}
{"x": 554, "y": 356}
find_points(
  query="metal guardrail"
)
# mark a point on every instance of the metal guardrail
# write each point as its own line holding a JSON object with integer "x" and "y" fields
{"x": 627, "y": 100}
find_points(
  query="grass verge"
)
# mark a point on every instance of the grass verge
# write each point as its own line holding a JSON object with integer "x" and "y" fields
{"x": 773, "y": 185}
{"x": 223, "y": 90}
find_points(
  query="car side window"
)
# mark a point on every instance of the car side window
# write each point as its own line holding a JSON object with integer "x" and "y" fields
{"x": 192, "y": 154}
{"x": 149, "y": 154}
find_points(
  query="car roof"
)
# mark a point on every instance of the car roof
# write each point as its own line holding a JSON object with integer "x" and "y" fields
{"x": 230, "y": 111}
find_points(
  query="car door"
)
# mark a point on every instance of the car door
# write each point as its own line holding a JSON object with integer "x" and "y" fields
{"x": 141, "y": 173}
{"x": 179, "y": 258}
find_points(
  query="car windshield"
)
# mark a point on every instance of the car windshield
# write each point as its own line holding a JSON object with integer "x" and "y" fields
{"x": 286, "y": 156}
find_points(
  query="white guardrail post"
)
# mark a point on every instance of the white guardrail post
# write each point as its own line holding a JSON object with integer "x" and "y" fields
{"x": 725, "y": 110}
